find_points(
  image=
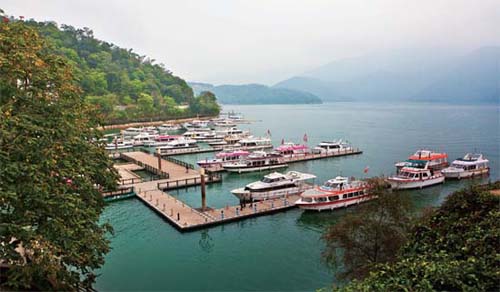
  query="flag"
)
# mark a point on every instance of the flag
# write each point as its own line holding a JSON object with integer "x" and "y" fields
{"x": 366, "y": 169}
{"x": 282, "y": 141}
{"x": 305, "y": 138}
{"x": 21, "y": 17}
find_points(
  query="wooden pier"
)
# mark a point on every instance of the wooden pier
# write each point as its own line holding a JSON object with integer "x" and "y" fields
{"x": 302, "y": 158}
{"x": 185, "y": 218}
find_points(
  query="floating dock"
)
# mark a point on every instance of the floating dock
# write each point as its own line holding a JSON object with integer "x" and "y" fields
{"x": 302, "y": 158}
{"x": 185, "y": 218}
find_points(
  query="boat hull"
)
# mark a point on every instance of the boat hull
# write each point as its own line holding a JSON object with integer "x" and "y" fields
{"x": 405, "y": 184}
{"x": 248, "y": 196}
{"x": 239, "y": 169}
{"x": 465, "y": 174}
{"x": 333, "y": 205}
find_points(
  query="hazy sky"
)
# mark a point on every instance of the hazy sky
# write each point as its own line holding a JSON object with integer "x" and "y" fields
{"x": 270, "y": 40}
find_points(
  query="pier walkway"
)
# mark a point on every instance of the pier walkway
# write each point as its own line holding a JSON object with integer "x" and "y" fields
{"x": 185, "y": 218}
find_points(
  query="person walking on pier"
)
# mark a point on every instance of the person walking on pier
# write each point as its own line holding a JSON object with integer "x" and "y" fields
{"x": 187, "y": 168}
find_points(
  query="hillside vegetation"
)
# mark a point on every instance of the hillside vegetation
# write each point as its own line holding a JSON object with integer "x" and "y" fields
{"x": 256, "y": 94}
{"x": 125, "y": 85}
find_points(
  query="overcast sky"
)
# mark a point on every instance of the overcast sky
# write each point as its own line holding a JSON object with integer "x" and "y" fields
{"x": 267, "y": 41}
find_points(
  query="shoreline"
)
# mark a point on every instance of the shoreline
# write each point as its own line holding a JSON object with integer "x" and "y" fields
{"x": 153, "y": 123}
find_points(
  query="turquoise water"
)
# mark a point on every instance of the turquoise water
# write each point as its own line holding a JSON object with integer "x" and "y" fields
{"x": 283, "y": 251}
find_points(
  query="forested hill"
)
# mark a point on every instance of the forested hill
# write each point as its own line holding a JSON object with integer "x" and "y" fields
{"x": 125, "y": 85}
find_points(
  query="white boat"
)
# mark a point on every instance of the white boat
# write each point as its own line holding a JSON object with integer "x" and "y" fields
{"x": 119, "y": 144}
{"x": 415, "y": 175}
{"x": 328, "y": 147}
{"x": 144, "y": 138}
{"x": 254, "y": 143}
{"x": 223, "y": 123}
{"x": 275, "y": 185}
{"x": 223, "y": 157}
{"x": 131, "y": 132}
{"x": 196, "y": 124}
{"x": 203, "y": 136}
{"x": 335, "y": 193}
{"x": 290, "y": 149}
{"x": 179, "y": 144}
{"x": 470, "y": 165}
{"x": 232, "y": 131}
{"x": 161, "y": 140}
{"x": 257, "y": 161}
{"x": 165, "y": 128}
{"x": 218, "y": 143}
{"x": 436, "y": 161}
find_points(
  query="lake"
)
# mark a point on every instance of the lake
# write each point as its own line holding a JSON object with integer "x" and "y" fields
{"x": 283, "y": 251}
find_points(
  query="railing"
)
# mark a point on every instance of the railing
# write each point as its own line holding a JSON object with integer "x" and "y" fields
{"x": 211, "y": 178}
{"x": 118, "y": 192}
{"x": 179, "y": 162}
{"x": 160, "y": 173}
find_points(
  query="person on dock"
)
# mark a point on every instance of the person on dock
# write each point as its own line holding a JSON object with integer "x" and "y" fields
{"x": 187, "y": 168}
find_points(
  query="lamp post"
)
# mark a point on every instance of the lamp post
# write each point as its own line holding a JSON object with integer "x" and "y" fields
{"x": 203, "y": 192}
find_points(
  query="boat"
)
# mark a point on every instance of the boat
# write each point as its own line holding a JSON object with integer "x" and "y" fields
{"x": 161, "y": 140}
{"x": 254, "y": 143}
{"x": 437, "y": 161}
{"x": 130, "y": 132}
{"x": 178, "y": 144}
{"x": 169, "y": 128}
{"x": 415, "y": 175}
{"x": 290, "y": 149}
{"x": 223, "y": 123}
{"x": 217, "y": 143}
{"x": 329, "y": 147}
{"x": 275, "y": 185}
{"x": 470, "y": 165}
{"x": 196, "y": 124}
{"x": 257, "y": 161}
{"x": 143, "y": 138}
{"x": 119, "y": 144}
{"x": 223, "y": 157}
{"x": 203, "y": 136}
{"x": 335, "y": 193}
{"x": 232, "y": 131}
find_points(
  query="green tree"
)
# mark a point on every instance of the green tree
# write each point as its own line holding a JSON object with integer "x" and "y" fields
{"x": 145, "y": 104}
{"x": 52, "y": 169}
{"x": 371, "y": 235}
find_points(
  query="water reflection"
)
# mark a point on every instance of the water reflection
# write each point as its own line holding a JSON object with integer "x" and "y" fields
{"x": 206, "y": 242}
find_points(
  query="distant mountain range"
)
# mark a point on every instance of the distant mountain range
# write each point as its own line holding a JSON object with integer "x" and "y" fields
{"x": 411, "y": 75}
{"x": 255, "y": 94}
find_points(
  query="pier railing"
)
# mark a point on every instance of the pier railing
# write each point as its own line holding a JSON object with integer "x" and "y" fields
{"x": 179, "y": 162}
{"x": 119, "y": 192}
{"x": 162, "y": 174}
{"x": 210, "y": 178}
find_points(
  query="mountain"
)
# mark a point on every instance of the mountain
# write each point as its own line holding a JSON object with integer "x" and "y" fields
{"x": 430, "y": 75}
{"x": 255, "y": 94}
{"x": 476, "y": 78}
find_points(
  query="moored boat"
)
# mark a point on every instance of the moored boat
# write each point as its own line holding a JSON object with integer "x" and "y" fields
{"x": 223, "y": 157}
{"x": 275, "y": 185}
{"x": 178, "y": 144}
{"x": 436, "y": 161}
{"x": 329, "y": 147}
{"x": 290, "y": 149}
{"x": 254, "y": 143}
{"x": 119, "y": 144}
{"x": 335, "y": 193}
{"x": 470, "y": 165}
{"x": 162, "y": 140}
{"x": 165, "y": 128}
{"x": 144, "y": 138}
{"x": 257, "y": 161}
{"x": 414, "y": 175}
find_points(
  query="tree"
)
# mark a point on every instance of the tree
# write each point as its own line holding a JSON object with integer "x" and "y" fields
{"x": 145, "y": 104}
{"x": 52, "y": 169}
{"x": 371, "y": 235}
{"x": 452, "y": 248}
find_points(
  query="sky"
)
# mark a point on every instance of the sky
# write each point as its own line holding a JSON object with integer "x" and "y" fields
{"x": 266, "y": 41}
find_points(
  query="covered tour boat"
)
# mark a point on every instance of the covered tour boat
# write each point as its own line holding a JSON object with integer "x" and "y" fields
{"x": 119, "y": 144}
{"x": 290, "y": 149}
{"x": 335, "y": 193}
{"x": 414, "y": 175}
{"x": 257, "y": 161}
{"x": 436, "y": 161}
{"x": 328, "y": 147}
{"x": 223, "y": 157}
{"x": 275, "y": 185}
{"x": 254, "y": 143}
{"x": 468, "y": 166}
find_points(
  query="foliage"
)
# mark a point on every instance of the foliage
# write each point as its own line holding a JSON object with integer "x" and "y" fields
{"x": 122, "y": 78}
{"x": 454, "y": 248}
{"x": 51, "y": 163}
{"x": 205, "y": 104}
{"x": 370, "y": 235}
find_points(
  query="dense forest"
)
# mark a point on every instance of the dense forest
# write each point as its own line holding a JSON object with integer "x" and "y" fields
{"x": 124, "y": 85}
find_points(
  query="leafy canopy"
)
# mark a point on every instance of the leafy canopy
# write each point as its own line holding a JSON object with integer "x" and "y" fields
{"x": 51, "y": 169}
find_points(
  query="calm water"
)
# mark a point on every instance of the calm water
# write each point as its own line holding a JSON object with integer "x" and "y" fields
{"x": 283, "y": 251}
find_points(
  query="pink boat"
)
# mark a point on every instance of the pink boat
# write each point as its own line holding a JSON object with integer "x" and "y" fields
{"x": 291, "y": 149}
{"x": 223, "y": 157}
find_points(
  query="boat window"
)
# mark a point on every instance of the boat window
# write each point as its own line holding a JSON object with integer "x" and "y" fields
{"x": 333, "y": 198}
{"x": 424, "y": 174}
{"x": 321, "y": 199}
{"x": 344, "y": 196}
{"x": 350, "y": 195}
